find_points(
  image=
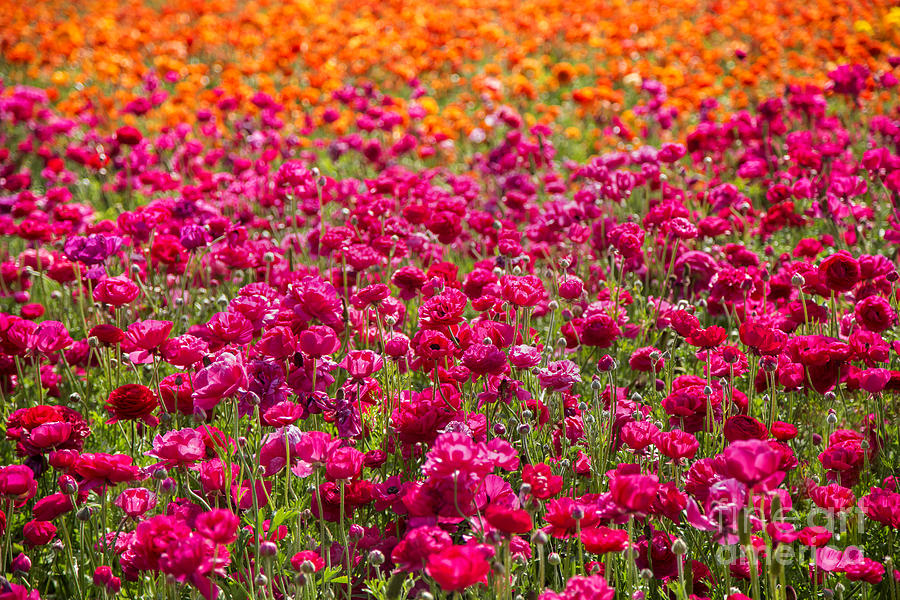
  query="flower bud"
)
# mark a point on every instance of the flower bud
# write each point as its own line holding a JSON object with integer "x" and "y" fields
{"x": 21, "y": 563}
{"x": 268, "y": 549}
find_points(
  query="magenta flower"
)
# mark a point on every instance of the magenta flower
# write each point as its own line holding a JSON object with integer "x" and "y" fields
{"x": 362, "y": 363}
{"x": 752, "y": 462}
{"x": 221, "y": 379}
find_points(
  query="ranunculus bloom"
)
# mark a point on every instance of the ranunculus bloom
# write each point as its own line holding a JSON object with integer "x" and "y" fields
{"x": 594, "y": 587}
{"x": 600, "y": 540}
{"x": 222, "y": 378}
{"x": 570, "y": 287}
{"x": 107, "y": 334}
{"x": 178, "y": 447}
{"x": 38, "y": 533}
{"x": 131, "y": 402}
{"x": 508, "y": 520}
{"x": 524, "y": 291}
{"x": 219, "y": 525}
{"x": 559, "y": 376}
{"x": 874, "y": 313}
{"x": 49, "y": 337}
{"x": 147, "y": 334}
{"x": 743, "y": 427}
{"x": 874, "y": 380}
{"x": 309, "y": 556}
{"x": 116, "y": 291}
{"x": 40, "y": 429}
{"x": 752, "y": 462}
{"x": 100, "y": 469}
{"x": 458, "y": 567}
{"x": 642, "y": 361}
{"x": 17, "y": 482}
{"x": 840, "y": 271}
{"x": 344, "y": 463}
{"x": 362, "y": 363}
{"x": 634, "y": 493}
{"x": 484, "y": 358}
{"x": 134, "y": 502}
{"x": 183, "y": 351}
{"x": 707, "y": 338}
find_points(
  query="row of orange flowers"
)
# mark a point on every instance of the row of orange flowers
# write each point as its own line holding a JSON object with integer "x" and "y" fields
{"x": 549, "y": 57}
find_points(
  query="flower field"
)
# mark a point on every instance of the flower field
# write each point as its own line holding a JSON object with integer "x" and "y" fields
{"x": 459, "y": 300}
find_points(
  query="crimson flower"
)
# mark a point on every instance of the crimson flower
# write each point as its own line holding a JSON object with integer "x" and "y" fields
{"x": 132, "y": 402}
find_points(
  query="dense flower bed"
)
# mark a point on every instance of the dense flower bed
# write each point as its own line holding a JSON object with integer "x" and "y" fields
{"x": 262, "y": 343}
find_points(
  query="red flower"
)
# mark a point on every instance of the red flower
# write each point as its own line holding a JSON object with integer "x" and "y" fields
{"x": 458, "y": 567}
{"x": 508, "y": 520}
{"x": 116, "y": 291}
{"x": 128, "y": 136}
{"x": 634, "y": 493}
{"x": 131, "y": 402}
{"x": 840, "y": 271}
{"x": 38, "y": 533}
{"x": 544, "y": 484}
{"x": 742, "y": 427}
{"x": 600, "y": 540}
{"x": 40, "y": 429}
{"x": 100, "y": 468}
{"x": 443, "y": 310}
{"x": 875, "y": 313}
{"x": 707, "y": 338}
{"x": 309, "y": 556}
{"x": 107, "y": 334}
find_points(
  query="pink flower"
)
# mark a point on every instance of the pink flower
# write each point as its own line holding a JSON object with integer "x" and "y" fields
{"x": 594, "y": 587}
{"x": 559, "y": 376}
{"x": 178, "y": 447}
{"x": 362, "y": 363}
{"x": 484, "y": 358}
{"x": 219, "y": 525}
{"x": 318, "y": 341}
{"x": 752, "y": 462}
{"x": 116, "y": 291}
{"x": 344, "y": 463}
{"x": 230, "y": 327}
{"x": 278, "y": 343}
{"x": 134, "y": 502}
{"x": 17, "y": 482}
{"x": 38, "y": 533}
{"x": 148, "y": 334}
{"x": 524, "y": 291}
{"x": 184, "y": 351}
{"x": 49, "y": 337}
{"x": 222, "y": 378}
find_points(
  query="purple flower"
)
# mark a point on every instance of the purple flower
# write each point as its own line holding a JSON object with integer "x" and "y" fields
{"x": 93, "y": 249}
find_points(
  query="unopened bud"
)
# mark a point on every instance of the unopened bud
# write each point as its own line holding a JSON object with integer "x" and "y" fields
{"x": 268, "y": 549}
